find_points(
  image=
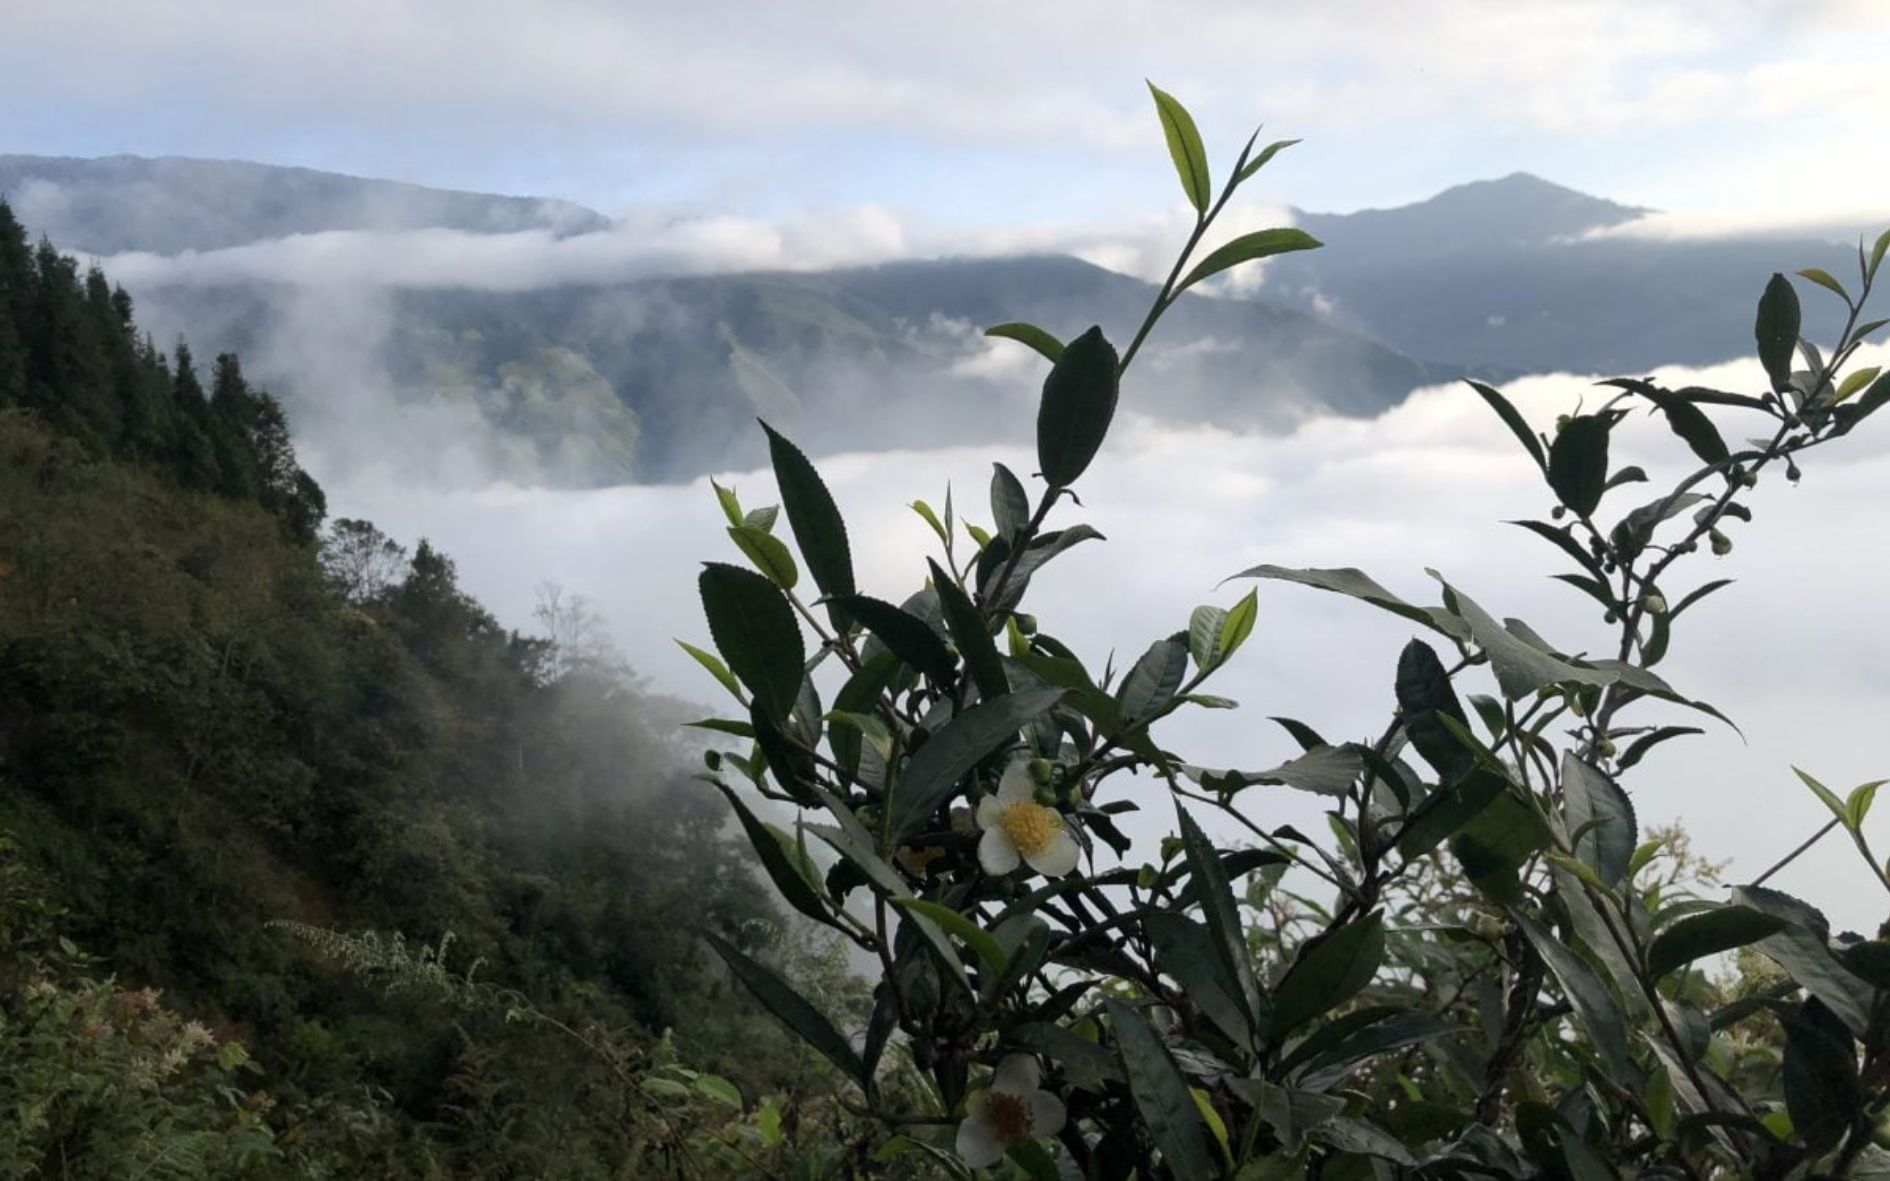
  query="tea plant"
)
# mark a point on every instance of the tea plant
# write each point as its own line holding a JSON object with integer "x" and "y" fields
{"x": 1501, "y": 976}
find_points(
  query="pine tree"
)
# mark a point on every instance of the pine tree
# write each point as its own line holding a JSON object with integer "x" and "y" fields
{"x": 16, "y": 282}
{"x": 193, "y": 456}
{"x": 68, "y": 376}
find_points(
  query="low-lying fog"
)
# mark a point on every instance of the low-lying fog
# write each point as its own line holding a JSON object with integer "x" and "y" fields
{"x": 1797, "y": 653}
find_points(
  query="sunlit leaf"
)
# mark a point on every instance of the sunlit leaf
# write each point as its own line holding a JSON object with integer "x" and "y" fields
{"x": 716, "y": 668}
{"x": 1857, "y": 380}
{"x": 1185, "y": 148}
{"x": 1029, "y": 334}
{"x": 731, "y": 506}
{"x": 1236, "y": 628}
{"x": 1249, "y": 248}
{"x": 1263, "y": 159}
{"x": 768, "y": 553}
{"x": 1826, "y": 280}
{"x": 1825, "y": 795}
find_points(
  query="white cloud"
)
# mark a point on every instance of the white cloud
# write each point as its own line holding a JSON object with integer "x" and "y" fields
{"x": 1826, "y": 225}
{"x": 982, "y": 71}
{"x": 1794, "y": 652}
{"x": 634, "y": 248}
{"x": 680, "y": 79}
{"x": 653, "y": 244}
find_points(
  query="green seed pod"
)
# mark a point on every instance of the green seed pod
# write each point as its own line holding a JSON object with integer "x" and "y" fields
{"x": 1722, "y": 544}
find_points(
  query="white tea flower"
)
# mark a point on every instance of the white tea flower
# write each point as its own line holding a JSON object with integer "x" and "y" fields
{"x": 1011, "y": 1110}
{"x": 1018, "y": 828}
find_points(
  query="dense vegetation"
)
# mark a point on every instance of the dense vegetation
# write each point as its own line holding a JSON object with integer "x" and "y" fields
{"x": 217, "y": 715}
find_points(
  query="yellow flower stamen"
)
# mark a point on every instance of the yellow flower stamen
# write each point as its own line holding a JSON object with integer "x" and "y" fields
{"x": 1031, "y": 827}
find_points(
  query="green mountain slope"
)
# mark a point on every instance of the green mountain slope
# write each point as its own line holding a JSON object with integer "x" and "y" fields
{"x": 870, "y": 358}
{"x": 658, "y": 378}
{"x": 213, "y": 718}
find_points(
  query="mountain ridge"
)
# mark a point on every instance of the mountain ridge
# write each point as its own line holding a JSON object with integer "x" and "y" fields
{"x": 103, "y": 205}
{"x": 656, "y": 378}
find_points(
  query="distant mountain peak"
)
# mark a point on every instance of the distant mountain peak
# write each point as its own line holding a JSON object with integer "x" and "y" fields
{"x": 1520, "y": 208}
{"x": 1527, "y": 190}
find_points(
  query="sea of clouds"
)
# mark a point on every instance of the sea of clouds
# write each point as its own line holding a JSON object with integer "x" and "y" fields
{"x": 1796, "y": 653}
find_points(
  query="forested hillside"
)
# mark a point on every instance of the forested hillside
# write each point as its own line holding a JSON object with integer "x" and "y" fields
{"x": 217, "y": 716}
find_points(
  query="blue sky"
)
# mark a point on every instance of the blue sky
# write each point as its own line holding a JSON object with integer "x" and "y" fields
{"x": 976, "y": 115}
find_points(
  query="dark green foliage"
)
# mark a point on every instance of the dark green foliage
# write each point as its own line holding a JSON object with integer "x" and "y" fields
{"x": 70, "y": 352}
{"x": 1578, "y": 461}
{"x": 909, "y": 637}
{"x": 1776, "y": 330}
{"x": 1160, "y": 1093}
{"x": 209, "y": 722}
{"x": 1327, "y": 974}
{"x": 961, "y": 744}
{"x": 1425, "y": 698}
{"x": 818, "y": 529}
{"x": 790, "y": 1006}
{"x": 1079, "y": 401}
{"x": 755, "y": 630}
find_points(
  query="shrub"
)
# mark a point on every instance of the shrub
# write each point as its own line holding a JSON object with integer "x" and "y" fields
{"x": 1501, "y": 974}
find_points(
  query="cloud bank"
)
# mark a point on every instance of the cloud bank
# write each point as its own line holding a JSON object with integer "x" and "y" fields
{"x": 653, "y": 244}
{"x": 1795, "y": 653}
